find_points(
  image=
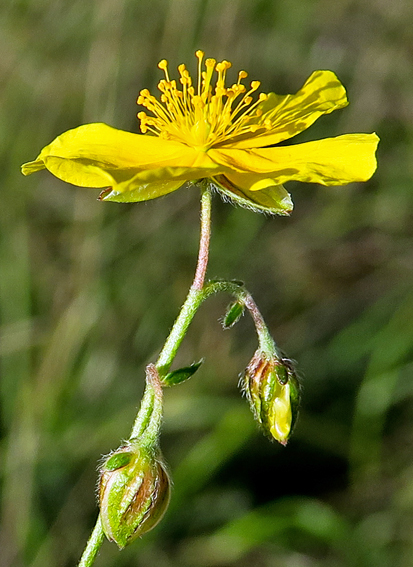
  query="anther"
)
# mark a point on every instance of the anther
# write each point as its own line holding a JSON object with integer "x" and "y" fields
{"x": 164, "y": 66}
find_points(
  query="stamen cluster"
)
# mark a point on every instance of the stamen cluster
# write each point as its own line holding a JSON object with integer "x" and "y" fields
{"x": 202, "y": 116}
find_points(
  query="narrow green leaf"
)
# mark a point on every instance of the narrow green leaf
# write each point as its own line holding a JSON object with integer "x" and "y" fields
{"x": 181, "y": 374}
{"x": 233, "y": 314}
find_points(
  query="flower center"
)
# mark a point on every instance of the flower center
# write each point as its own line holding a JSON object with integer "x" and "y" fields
{"x": 202, "y": 116}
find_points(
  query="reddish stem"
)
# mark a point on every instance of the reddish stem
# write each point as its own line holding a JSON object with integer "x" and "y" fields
{"x": 203, "y": 253}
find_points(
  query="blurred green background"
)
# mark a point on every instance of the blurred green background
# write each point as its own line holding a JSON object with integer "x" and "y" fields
{"x": 89, "y": 290}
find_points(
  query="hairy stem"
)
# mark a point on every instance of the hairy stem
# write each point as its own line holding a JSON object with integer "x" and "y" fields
{"x": 148, "y": 421}
{"x": 93, "y": 545}
{"x": 149, "y": 415}
{"x": 195, "y": 295}
{"x": 265, "y": 340}
{"x": 203, "y": 253}
{"x": 152, "y": 400}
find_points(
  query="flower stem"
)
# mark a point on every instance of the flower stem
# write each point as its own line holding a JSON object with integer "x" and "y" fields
{"x": 149, "y": 416}
{"x": 148, "y": 421}
{"x": 203, "y": 253}
{"x": 150, "y": 409}
{"x": 93, "y": 545}
{"x": 199, "y": 292}
{"x": 265, "y": 339}
{"x": 195, "y": 296}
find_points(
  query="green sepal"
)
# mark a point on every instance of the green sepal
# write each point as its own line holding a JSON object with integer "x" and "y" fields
{"x": 133, "y": 193}
{"x": 118, "y": 460}
{"x": 234, "y": 312}
{"x": 282, "y": 374}
{"x": 274, "y": 200}
{"x": 181, "y": 374}
{"x": 295, "y": 397}
{"x": 270, "y": 389}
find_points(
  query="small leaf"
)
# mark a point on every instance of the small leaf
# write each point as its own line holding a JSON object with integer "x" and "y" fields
{"x": 233, "y": 314}
{"x": 181, "y": 374}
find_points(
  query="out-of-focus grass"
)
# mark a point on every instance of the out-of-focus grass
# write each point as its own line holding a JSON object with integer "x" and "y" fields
{"x": 88, "y": 292}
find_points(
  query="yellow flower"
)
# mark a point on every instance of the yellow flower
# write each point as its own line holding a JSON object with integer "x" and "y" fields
{"x": 225, "y": 134}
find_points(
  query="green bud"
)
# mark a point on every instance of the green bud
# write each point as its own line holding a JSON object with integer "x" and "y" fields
{"x": 273, "y": 392}
{"x": 134, "y": 491}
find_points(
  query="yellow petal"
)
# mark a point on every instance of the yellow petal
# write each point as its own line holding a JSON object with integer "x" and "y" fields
{"x": 332, "y": 161}
{"x": 169, "y": 174}
{"x": 291, "y": 114}
{"x": 271, "y": 198}
{"x": 94, "y": 155}
{"x": 70, "y": 170}
{"x": 281, "y": 416}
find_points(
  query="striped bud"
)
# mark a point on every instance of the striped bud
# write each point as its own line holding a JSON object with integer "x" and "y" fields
{"x": 273, "y": 392}
{"x": 134, "y": 491}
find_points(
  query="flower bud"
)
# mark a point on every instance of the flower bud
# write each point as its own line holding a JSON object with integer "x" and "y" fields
{"x": 134, "y": 491}
{"x": 273, "y": 392}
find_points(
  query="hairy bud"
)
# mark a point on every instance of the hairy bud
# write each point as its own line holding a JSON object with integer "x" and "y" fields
{"x": 134, "y": 491}
{"x": 273, "y": 392}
